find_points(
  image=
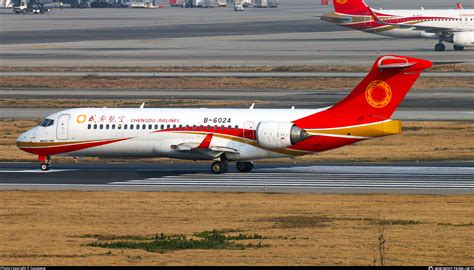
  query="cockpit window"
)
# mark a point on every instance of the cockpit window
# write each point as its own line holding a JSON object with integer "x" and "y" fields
{"x": 46, "y": 123}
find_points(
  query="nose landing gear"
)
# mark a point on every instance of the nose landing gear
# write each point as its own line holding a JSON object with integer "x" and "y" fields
{"x": 45, "y": 162}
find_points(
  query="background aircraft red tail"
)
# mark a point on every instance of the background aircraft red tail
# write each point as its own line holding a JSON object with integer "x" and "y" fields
{"x": 350, "y": 7}
{"x": 375, "y": 98}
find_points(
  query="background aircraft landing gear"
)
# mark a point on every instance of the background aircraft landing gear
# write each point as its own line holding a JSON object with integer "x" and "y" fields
{"x": 244, "y": 166}
{"x": 219, "y": 167}
{"x": 440, "y": 47}
{"x": 458, "y": 48}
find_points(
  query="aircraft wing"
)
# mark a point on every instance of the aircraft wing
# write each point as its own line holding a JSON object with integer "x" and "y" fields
{"x": 429, "y": 29}
{"x": 205, "y": 147}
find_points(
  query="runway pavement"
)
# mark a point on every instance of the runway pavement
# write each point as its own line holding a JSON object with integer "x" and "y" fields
{"x": 429, "y": 178}
{"x": 291, "y": 34}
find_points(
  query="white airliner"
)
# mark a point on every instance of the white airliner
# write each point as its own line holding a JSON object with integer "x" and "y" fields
{"x": 449, "y": 25}
{"x": 223, "y": 135}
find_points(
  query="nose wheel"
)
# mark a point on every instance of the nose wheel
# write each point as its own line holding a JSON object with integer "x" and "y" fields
{"x": 45, "y": 166}
{"x": 45, "y": 162}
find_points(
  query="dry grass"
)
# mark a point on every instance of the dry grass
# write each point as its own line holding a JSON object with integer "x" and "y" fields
{"x": 295, "y": 68}
{"x": 423, "y": 141}
{"x": 305, "y": 83}
{"x": 45, "y": 228}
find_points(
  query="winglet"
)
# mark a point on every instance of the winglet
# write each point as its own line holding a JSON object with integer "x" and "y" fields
{"x": 206, "y": 142}
{"x": 459, "y": 6}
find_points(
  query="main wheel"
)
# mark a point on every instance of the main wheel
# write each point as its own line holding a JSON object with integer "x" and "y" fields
{"x": 458, "y": 48}
{"x": 244, "y": 166}
{"x": 218, "y": 167}
{"x": 440, "y": 47}
{"x": 45, "y": 166}
{"x": 226, "y": 166}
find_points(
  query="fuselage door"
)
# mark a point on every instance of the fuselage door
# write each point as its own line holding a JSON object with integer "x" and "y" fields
{"x": 62, "y": 127}
{"x": 249, "y": 131}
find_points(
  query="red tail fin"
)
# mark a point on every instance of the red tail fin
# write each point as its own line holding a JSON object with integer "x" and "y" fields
{"x": 351, "y": 7}
{"x": 375, "y": 98}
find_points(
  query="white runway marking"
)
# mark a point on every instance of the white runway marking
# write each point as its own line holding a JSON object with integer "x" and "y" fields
{"x": 36, "y": 171}
{"x": 318, "y": 177}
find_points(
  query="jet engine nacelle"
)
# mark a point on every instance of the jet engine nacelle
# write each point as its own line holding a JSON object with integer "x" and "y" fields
{"x": 278, "y": 135}
{"x": 464, "y": 39}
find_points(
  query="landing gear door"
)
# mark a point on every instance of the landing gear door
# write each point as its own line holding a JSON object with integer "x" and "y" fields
{"x": 62, "y": 127}
{"x": 249, "y": 131}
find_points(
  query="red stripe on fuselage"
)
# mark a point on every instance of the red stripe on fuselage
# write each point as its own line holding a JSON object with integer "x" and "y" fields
{"x": 55, "y": 150}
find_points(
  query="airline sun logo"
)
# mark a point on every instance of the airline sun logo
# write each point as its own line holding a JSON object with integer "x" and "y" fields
{"x": 342, "y": 2}
{"x": 378, "y": 94}
{"x": 81, "y": 118}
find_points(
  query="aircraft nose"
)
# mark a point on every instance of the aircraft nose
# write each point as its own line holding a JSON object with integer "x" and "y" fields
{"x": 25, "y": 137}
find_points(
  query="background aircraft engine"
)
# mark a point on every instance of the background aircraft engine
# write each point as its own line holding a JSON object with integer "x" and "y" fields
{"x": 464, "y": 39}
{"x": 278, "y": 135}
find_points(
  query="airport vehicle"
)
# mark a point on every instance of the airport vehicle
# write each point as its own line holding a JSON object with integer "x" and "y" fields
{"x": 25, "y": 6}
{"x": 177, "y": 3}
{"x": 221, "y": 3}
{"x": 265, "y": 3}
{"x": 454, "y": 26}
{"x": 238, "y": 7}
{"x": 226, "y": 135}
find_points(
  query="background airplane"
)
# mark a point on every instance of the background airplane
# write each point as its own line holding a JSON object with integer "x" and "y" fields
{"x": 223, "y": 135}
{"x": 448, "y": 25}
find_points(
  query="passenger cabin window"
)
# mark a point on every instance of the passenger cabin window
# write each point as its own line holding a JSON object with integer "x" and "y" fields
{"x": 46, "y": 123}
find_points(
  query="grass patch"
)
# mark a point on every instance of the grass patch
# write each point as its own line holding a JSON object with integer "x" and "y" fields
{"x": 299, "y": 221}
{"x": 456, "y": 225}
{"x": 162, "y": 243}
{"x": 394, "y": 222}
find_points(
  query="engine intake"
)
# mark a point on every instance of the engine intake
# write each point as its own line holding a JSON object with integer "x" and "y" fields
{"x": 278, "y": 135}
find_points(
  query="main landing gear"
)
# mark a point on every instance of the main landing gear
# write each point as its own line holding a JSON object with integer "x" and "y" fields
{"x": 458, "y": 48}
{"x": 440, "y": 47}
{"x": 45, "y": 162}
{"x": 221, "y": 166}
{"x": 244, "y": 166}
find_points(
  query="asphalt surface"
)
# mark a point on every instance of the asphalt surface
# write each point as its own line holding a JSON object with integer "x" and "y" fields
{"x": 420, "y": 104}
{"x": 291, "y": 34}
{"x": 429, "y": 178}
